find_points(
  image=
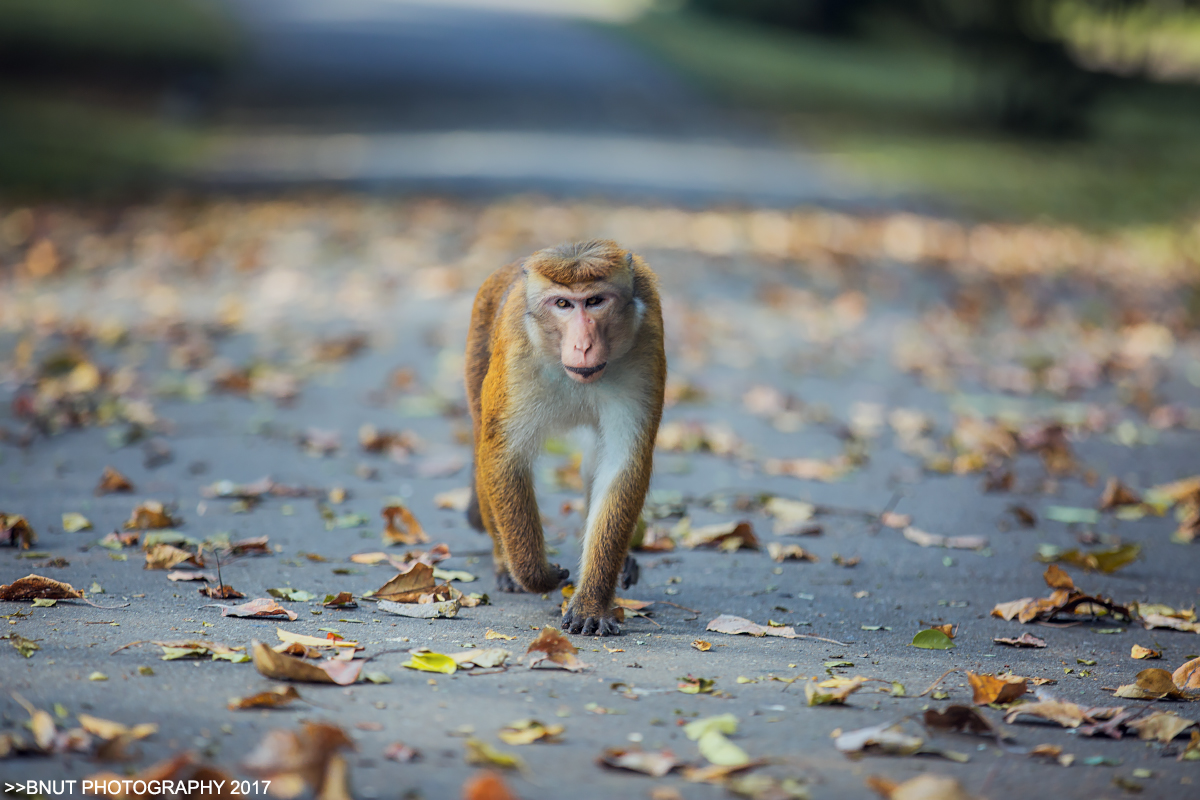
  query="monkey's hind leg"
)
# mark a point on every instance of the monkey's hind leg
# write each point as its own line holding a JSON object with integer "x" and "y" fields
{"x": 474, "y": 512}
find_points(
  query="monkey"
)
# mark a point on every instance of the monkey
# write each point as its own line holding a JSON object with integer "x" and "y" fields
{"x": 569, "y": 337}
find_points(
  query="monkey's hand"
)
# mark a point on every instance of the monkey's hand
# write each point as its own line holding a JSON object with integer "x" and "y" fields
{"x": 600, "y": 625}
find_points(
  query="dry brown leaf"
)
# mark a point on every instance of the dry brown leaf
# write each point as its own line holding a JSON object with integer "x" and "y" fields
{"x": 727, "y": 623}
{"x": 17, "y": 530}
{"x": 963, "y": 719}
{"x": 780, "y": 552}
{"x": 1161, "y": 725}
{"x": 727, "y": 536}
{"x": 1187, "y": 677}
{"x": 1139, "y": 652}
{"x": 150, "y": 515}
{"x": 1069, "y": 715}
{"x": 309, "y": 758}
{"x": 1117, "y": 494}
{"x": 289, "y": 668}
{"x": 551, "y": 645}
{"x": 112, "y": 481}
{"x": 488, "y": 785}
{"x": 107, "y": 729}
{"x": 996, "y": 689}
{"x": 168, "y": 556}
{"x": 189, "y": 575}
{"x": 1150, "y": 621}
{"x": 401, "y": 527}
{"x": 1024, "y": 640}
{"x": 1152, "y": 684}
{"x": 273, "y": 698}
{"x": 702, "y": 645}
{"x": 32, "y": 587}
{"x": 1057, "y": 578}
{"x": 259, "y": 607}
{"x": 922, "y": 787}
{"x": 820, "y": 694}
{"x": 408, "y": 587}
{"x": 528, "y": 731}
{"x": 655, "y": 764}
{"x": 223, "y": 592}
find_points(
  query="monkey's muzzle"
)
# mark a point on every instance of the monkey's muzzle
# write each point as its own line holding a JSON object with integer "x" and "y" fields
{"x": 585, "y": 372}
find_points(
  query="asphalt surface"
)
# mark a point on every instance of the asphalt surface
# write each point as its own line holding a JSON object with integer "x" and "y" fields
{"x": 410, "y": 290}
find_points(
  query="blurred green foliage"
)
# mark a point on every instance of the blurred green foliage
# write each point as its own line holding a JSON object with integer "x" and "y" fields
{"x": 889, "y": 102}
{"x": 95, "y": 92}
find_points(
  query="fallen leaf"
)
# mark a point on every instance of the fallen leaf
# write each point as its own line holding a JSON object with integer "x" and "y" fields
{"x": 693, "y": 685}
{"x": 186, "y": 648}
{"x": 963, "y": 719}
{"x": 443, "y": 610}
{"x": 293, "y": 595}
{"x": 401, "y": 527}
{"x": 1106, "y": 561}
{"x": 727, "y": 536}
{"x": 817, "y": 696}
{"x": 273, "y": 698}
{"x": 889, "y": 738}
{"x": 891, "y": 519}
{"x": 223, "y": 592}
{"x": 996, "y": 688}
{"x": 1069, "y": 715}
{"x": 454, "y": 499}
{"x": 1072, "y": 515}
{"x": 107, "y": 729}
{"x": 702, "y": 645}
{"x": 922, "y": 787}
{"x": 406, "y": 587}
{"x": 780, "y": 552}
{"x": 1024, "y": 640}
{"x": 1161, "y": 725}
{"x": 150, "y": 515}
{"x": 487, "y": 786}
{"x": 431, "y": 662}
{"x": 1117, "y": 494}
{"x": 1056, "y": 578}
{"x": 528, "y": 731}
{"x": 339, "y": 600}
{"x": 315, "y": 641}
{"x": 655, "y": 764}
{"x": 1187, "y": 677}
{"x": 932, "y": 639}
{"x": 727, "y": 623}
{"x": 918, "y": 536}
{"x": 189, "y": 575}
{"x": 17, "y": 530}
{"x": 168, "y": 556}
{"x": 73, "y": 522}
{"x": 1151, "y": 684}
{"x": 551, "y": 645}
{"x": 480, "y": 753}
{"x": 112, "y": 481}
{"x": 491, "y": 634}
{"x": 288, "y": 668}
{"x": 399, "y": 751}
{"x": 259, "y": 607}
{"x": 35, "y": 586}
{"x": 310, "y": 758}
{"x": 709, "y": 734}
{"x": 1137, "y": 651}
{"x": 485, "y": 657}
{"x": 789, "y": 514}
{"x": 1150, "y": 621}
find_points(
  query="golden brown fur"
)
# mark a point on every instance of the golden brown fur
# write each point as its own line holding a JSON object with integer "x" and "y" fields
{"x": 572, "y": 336}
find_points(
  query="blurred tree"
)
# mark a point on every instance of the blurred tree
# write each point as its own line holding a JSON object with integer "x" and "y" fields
{"x": 1024, "y": 75}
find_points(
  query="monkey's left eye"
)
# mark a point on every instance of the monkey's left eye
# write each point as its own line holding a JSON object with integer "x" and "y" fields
{"x": 595, "y": 301}
{"x": 562, "y": 303}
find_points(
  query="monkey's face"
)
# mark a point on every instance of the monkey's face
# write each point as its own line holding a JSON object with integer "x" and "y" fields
{"x": 583, "y": 322}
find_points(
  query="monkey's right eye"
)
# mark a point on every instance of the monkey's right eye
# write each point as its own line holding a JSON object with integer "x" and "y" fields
{"x": 561, "y": 303}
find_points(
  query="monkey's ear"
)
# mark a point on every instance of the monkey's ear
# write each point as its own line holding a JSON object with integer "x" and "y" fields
{"x": 629, "y": 259}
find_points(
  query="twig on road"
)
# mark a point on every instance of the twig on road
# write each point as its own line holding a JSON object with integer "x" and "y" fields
{"x": 933, "y": 685}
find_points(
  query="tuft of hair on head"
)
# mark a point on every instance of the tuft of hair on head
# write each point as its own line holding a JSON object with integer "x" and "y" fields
{"x": 581, "y": 262}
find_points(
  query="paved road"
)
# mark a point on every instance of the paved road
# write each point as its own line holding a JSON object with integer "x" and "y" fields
{"x": 392, "y": 95}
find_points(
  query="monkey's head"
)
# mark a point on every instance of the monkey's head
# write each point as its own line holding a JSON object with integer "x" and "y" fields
{"x": 580, "y": 298}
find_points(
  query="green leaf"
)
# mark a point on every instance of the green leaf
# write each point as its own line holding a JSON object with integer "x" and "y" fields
{"x": 932, "y": 639}
{"x": 1073, "y": 515}
{"x": 377, "y": 677}
{"x": 839, "y": 664}
{"x": 235, "y": 658}
{"x": 296, "y": 595}
{"x": 172, "y": 653}
{"x": 42, "y": 602}
{"x": 723, "y": 723}
{"x": 432, "y": 662}
{"x": 73, "y": 522}
{"x": 720, "y": 751}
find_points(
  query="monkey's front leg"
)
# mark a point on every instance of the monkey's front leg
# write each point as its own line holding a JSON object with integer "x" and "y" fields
{"x": 514, "y": 511}
{"x": 606, "y": 550}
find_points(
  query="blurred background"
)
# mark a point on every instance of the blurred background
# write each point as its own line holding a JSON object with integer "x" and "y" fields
{"x": 1078, "y": 111}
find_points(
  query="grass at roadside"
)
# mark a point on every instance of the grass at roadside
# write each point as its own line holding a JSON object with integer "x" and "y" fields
{"x": 891, "y": 107}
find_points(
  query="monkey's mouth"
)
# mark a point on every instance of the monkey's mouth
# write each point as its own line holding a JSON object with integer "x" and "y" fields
{"x": 585, "y": 372}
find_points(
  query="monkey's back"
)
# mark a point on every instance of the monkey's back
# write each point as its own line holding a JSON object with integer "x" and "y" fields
{"x": 489, "y": 301}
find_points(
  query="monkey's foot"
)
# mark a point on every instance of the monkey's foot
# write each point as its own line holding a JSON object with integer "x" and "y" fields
{"x": 630, "y": 572}
{"x": 505, "y": 582}
{"x": 589, "y": 626}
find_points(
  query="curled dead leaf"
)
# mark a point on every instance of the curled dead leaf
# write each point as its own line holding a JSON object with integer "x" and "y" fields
{"x": 35, "y": 586}
{"x": 401, "y": 527}
{"x": 551, "y": 645}
{"x": 259, "y": 607}
{"x": 996, "y": 688}
{"x": 273, "y": 698}
{"x": 112, "y": 482}
{"x": 655, "y": 764}
{"x": 289, "y": 668}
